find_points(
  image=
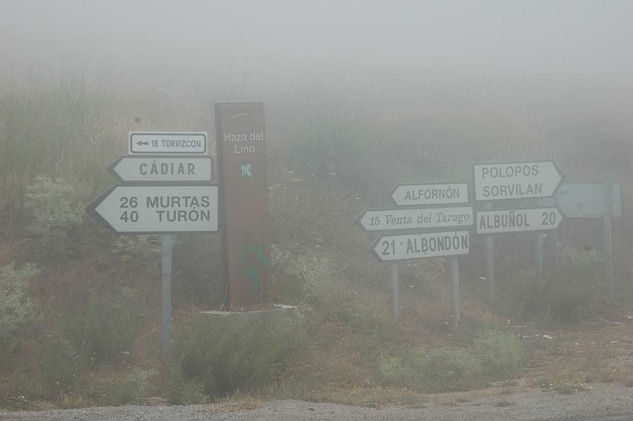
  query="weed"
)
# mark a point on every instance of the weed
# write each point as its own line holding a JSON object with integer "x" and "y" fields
{"x": 233, "y": 354}
{"x": 53, "y": 210}
{"x": 436, "y": 370}
{"x": 503, "y": 404}
{"x": 129, "y": 390}
{"x": 60, "y": 366}
{"x": 16, "y": 307}
{"x": 500, "y": 354}
{"x": 105, "y": 329}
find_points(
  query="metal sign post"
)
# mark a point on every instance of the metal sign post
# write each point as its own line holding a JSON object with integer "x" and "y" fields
{"x": 608, "y": 243}
{"x": 395, "y": 291}
{"x": 456, "y": 299}
{"x": 490, "y": 265}
{"x": 166, "y": 260}
{"x": 539, "y": 259}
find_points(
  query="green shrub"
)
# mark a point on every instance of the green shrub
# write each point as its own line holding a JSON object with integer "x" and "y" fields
{"x": 105, "y": 329}
{"x": 16, "y": 308}
{"x": 183, "y": 392}
{"x": 446, "y": 369}
{"x": 574, "y": 282}
{"x": 436, "y": 370}
{"x": 19, "y": 388}
{"x": 227, "y": 355}
{"x": 500, "y": 354}
{"x": 52, "y": 210}
{"x": 295, "y": 276}
{"x": 60, "y": 366}
{"x": 495, "y": 355}
{"x": 129, "y": 390}
{"x": 397, "y": 371}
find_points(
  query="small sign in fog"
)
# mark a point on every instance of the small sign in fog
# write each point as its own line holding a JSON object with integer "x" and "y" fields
{"x": 400, "y": 219}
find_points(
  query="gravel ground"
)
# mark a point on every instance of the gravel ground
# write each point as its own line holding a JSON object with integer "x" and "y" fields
{"x": 604, "y": 402}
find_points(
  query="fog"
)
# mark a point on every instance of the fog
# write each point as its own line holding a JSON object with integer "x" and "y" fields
{"x": 274, "y": 41}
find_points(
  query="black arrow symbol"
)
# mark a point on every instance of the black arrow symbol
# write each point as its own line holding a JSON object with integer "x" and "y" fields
{"x": 140, "y": 143}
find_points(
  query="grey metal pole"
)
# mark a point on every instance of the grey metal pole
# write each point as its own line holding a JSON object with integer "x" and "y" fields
{"x": 608, "y": 253}
{"x": 540, "y": 242}
{"x": 607, "y": 238}
{"x": 395, "y": 291}
{"x": 456, "y": 300}
{"x": 490, "y": 265}
{"x": 166, "y": 260}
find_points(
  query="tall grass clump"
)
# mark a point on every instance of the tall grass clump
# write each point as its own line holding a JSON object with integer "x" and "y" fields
{"x": 219, "y": 357}
{"x": 501, "y": 354}
{"x": 572, "y": 285}
{"x": 105, "y": 330}
{"x": 52, "y": 209}
{"x": 16, "y": 307}
{"x": 494, "y": 355}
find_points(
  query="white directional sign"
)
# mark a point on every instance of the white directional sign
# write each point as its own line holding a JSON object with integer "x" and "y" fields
{"x": 518, "y": 180}
{"x": 167, "y": 143}
{"x": 162, "y": 168}
{"x": 517, "y": 220}
{"x": 414, "y": 246}
{"x": 158, "y": 209}
{"x": 399, "y": 219}
{"x": 430, "y": 194}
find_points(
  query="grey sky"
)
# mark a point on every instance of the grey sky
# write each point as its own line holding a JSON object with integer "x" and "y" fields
{"x": 494, "y": 35}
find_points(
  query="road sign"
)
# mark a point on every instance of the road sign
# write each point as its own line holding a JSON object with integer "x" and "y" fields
{"x": 399, "y": 219}
{"x": 414, "y": 246}
{"x": 137, "y": 168}
{"x": 589, "y": 200}
{"x": 516, "y": 180}
{"x": 241, "y": 146}
{"x": 167, "y": 143}
{"x": 158, "y": 209}
{"x": 517, "y": 220}
{"x": 430, "y": 194}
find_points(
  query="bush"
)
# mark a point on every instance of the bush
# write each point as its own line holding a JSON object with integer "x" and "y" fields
{"x": 60, "y": 366}
{"x": 495, "y": 355}
{"x": 438, "y": 370}
{"x": 53, "y": 210}
{"x": 446, "y": 369}
{"x": 16, "y": 308}
{"x": 573, "y": 283}
{"x": 500, "y": 354}
{"x": 129, "y": 390}
{"x": 295, "y": 276}
{"x": 227, "y": 355}
{"x": 106, "y": 329}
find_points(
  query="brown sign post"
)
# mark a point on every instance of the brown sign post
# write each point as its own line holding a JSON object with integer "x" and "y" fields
{"x": 241, "y": 148}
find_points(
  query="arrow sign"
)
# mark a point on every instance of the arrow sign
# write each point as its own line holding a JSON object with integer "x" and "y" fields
{"x": 517, "y": 180}
{"x": 399, "y": 219}
{"x": 167, "y": 143}
{"x": 430, "y": 194}
{"x": 518, "y": 220}
{"x": 414, "y": 246}
{"x": 158, "y": 209}
{"x": 162, "y": 168}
